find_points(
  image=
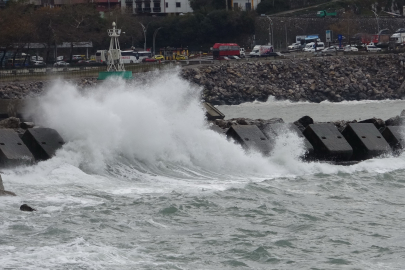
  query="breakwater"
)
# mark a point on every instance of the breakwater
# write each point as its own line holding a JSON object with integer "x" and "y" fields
{"x": 315, "y": 79}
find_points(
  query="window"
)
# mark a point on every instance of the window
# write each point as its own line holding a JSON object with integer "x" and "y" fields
{"x": 235, "y": 6}
{"x": 147, "y": 5}
{"x": 248, "y": 6}
{"x": 156, "y": 5}
{"x": 178, "y": 4}
{"x": 167, "y": 4}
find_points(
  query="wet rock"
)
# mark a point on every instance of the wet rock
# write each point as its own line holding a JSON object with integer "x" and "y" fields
{"x": 335, "y": 79}
{"x": 27, "y": 208}
{"x": 11, "y": 122}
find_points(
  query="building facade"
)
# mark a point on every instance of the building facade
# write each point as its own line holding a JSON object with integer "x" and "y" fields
{"x": 157, "y": 7}
{"x": 245, "y": 4}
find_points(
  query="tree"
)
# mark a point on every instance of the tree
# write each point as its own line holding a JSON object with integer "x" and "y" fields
{"x": 79, "y": 23}
{"x": 16, "y": 28}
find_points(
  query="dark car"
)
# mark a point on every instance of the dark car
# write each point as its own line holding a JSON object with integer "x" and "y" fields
{"x": 149, "y": 60}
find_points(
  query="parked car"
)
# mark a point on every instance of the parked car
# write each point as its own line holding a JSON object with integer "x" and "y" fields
{"x": 35, "y": 58}
{"x": 59, "y": 58}
{"x": 372, "y": 48}
{"x": 330, "y": 49}
{"x": 233, "y": 57}
{"x": 294, "y": 46}
{"x": 38, "y": 63}
{"x": 60, "y": 64}
{"x": 180, "y": 57}
{"x": 149, "y": 60}
{"x": 349, "y": 48}
{"x": 310, "y": 47}
{"x": 78, "y": 57}
{"x": 159, "y": 57}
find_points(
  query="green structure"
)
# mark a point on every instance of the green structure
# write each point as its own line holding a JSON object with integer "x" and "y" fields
{"x": 106, "y": 74}
{"x": 115, "y": 67}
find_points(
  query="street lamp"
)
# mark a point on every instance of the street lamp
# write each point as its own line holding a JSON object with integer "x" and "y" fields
{"x": 144, "y": 33}
{"x": 271, "y": 36}
{"x": 376, "y": 17}
{"x": 285, "y": 28}
{"x": 154, "y": 37}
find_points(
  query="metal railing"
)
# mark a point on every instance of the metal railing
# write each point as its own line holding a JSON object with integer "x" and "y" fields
{"x": 72, "y": 72}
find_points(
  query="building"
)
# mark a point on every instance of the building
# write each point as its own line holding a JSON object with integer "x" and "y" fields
{"x": 157, "y": 7}
{"x": 245, "y": 4}
{"x": 101, "y": 5}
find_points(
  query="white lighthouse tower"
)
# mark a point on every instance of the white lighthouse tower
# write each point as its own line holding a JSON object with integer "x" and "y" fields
{"x": 114, "y": 62}
{"x": 115, "y": 67}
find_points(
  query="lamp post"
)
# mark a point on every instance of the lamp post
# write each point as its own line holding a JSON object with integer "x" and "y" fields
{"x": 271, "y": 36}
{"x": 285, "y": 28}
{"x": 145, "y": 29}
{"x": 376, "y": 17}
{"x": 154, "y": 37}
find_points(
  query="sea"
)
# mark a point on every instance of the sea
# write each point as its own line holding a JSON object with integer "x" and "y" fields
{"x": 142, "y": 182}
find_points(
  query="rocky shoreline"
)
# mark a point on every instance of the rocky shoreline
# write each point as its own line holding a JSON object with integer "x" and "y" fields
{"x": 315, "y": 79}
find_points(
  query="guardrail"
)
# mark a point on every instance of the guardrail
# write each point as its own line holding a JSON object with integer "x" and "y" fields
{"x": 68, "y": 72}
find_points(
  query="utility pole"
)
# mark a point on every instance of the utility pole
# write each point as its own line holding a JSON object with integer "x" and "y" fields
{"x": 376, "y": 17}
{"x": 154, "y": 37}
{"x": 145, "y": 29}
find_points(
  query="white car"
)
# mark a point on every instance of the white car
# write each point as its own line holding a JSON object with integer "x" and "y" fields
{"x": 329, "y": 49}
{"x": 310, "y": 47}
{"x": 35, "y": 58}
{"x": 349, "y": 48}
{"x": 294, "y": 46}
{"x": 372, "y": 48}
{"x": 60, "y": 63}
{"x": 38, "y": 63}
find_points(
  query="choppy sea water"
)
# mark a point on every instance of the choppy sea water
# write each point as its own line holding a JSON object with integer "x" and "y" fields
{"x": 142, "y": 183}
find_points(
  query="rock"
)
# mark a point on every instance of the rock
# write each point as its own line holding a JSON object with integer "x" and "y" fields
{"x": 27, "y": 208}
{"x": 11, "y": 122}
{"x": 395, "y": 121}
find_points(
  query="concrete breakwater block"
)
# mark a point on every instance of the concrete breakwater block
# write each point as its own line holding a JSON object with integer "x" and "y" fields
{"x": 328, "y": 142}
{"x": 42, "y": 142}
{"x": 274, "y": 130}
{"x": 366, "y": 140}
{"x": 250, "y": 137}
{"x": 395, "y": 137}
{"x": 212, "y": 113}
{"x": 13, "y": 151}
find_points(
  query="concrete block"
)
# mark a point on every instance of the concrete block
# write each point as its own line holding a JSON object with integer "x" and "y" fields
{"x": 366, "y": 140}
{"x": 278, "y": 129}
{"x": 395, "y": 135}
{"x": 212, "y": 112}
{"x": 329, "y": 144}
{"x": 13, "y": 151}
{"x": 250, "y": 137}
{"x": 42, "y": 142}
